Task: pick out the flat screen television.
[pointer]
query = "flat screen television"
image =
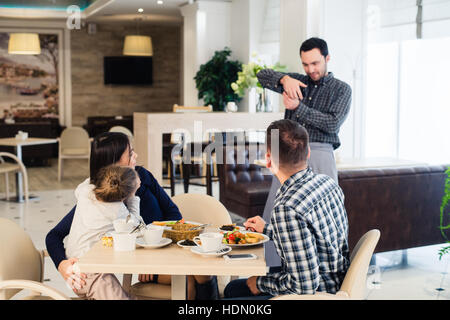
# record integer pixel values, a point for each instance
(128, 70)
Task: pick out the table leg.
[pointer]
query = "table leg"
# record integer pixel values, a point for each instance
(19, 181)
(208, 179)
(178, 287)
(126, 282)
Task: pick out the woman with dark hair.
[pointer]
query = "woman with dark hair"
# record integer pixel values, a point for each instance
(155, 205)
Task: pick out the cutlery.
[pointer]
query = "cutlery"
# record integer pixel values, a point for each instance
(199, 226)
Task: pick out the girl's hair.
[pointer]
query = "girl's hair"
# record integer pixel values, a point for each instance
(107, 148)
(114, 183)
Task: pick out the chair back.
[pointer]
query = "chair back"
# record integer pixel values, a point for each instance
(202, 208)
(19, 259)
(75, 140)
(121, 129)
(354, 284)
(177, 108)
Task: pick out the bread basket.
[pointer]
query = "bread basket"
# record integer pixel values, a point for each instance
(182, 232)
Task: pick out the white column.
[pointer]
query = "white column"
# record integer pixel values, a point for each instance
(300, 20)
(207, 28)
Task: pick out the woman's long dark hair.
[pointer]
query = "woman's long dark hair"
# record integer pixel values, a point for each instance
(107, 148)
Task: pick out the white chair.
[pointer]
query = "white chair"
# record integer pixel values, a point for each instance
(22, 266)
(7, 167)
(193, 207)
(122, 130)
(354, 284)
(74, 143)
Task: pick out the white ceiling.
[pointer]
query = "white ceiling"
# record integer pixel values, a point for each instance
(119, 7)
(125, 11)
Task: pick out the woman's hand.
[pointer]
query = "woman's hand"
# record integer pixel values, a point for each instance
(72, 277)
(145, 278)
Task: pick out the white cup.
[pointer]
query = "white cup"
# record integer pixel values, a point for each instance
(120, 225)
(211, 241)
(124, 241)
(153, 234)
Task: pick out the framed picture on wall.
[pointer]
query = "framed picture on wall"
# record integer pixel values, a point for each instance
(30, 84)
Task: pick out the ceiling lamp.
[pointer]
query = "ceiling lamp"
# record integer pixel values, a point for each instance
(136, 45)
(24, 43)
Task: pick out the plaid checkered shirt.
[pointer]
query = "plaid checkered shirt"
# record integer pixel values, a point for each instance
(309, 228)
(324, 107)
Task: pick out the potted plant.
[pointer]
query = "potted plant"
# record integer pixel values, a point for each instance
(445, 202)
(247, 80)
(214, 78)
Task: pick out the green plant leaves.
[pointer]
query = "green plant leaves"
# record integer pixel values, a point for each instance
(444, 206)
(214, 78)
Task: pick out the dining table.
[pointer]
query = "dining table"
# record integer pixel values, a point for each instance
(171, 260)
(18, 144)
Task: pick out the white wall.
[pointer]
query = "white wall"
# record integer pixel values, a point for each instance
(344, 29)
(207, 28)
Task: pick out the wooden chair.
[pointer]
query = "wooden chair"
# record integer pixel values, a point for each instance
(74, 143)
(193, 207)
(354, 284)
(189, 153)
(177, 108)
(22, 266)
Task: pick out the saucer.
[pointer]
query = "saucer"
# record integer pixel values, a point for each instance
(224, 250)
(164, 242)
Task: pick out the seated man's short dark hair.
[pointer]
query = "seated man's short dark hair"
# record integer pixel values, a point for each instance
(293, 144)
(315, 43)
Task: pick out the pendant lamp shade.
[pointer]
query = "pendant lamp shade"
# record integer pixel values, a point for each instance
(24, 43)
(138, 46)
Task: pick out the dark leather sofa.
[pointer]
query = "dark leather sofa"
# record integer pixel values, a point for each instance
(402, 202)
(243, 187)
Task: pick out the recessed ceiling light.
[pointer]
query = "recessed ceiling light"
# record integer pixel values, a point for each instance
(159, 2)
(140, 10)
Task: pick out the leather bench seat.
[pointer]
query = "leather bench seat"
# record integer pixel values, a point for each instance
(243, 186)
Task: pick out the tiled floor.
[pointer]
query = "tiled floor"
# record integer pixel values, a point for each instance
(424, 276)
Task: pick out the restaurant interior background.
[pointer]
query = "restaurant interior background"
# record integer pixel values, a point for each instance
(393, 53)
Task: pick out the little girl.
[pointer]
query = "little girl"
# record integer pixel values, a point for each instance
(110, 197)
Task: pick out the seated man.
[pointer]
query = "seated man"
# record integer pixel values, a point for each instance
(309, 224)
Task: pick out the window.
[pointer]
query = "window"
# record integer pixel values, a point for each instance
(408, 93)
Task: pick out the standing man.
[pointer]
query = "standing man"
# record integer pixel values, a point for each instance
(320, 103)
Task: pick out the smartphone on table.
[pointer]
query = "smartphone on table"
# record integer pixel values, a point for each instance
(246, 256)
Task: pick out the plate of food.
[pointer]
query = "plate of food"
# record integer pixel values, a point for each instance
(186, 244)
(170, 223)
(180, 230)
(238, 238)
(231, 227)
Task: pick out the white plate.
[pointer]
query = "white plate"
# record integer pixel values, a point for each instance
(185, 247)
(266, 238)
(198, 250)
(239, 228)
(164, 242)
